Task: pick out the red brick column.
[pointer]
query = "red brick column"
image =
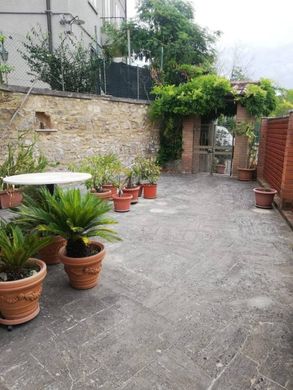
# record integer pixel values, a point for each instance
(262, 147)
(240, 153)
(241, 141)
(196, 140)
(187, 143)
(286, 193)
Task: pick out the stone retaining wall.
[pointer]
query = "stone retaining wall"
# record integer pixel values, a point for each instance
(70, 126)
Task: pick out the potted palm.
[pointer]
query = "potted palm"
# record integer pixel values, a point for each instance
(151, 174)
(29, 217)
(131, 187)
(77, 218)
(21, 276)
(122, 199)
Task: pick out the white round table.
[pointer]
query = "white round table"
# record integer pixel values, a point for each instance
(47, 178)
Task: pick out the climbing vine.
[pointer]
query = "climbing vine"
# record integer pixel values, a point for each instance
(207, 96)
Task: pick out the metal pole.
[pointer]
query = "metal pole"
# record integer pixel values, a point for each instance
(49, 24)
(128, 45)
(137, 81)
(162, 58)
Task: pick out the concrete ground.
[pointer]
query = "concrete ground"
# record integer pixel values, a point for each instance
(198, 295)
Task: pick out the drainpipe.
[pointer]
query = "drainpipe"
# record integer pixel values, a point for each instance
(49, 24)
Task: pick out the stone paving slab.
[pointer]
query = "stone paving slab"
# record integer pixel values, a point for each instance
(197, 296)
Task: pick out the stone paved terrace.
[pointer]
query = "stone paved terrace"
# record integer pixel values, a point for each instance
(196, 297)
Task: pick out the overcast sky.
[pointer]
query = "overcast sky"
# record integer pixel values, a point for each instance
(258, 26)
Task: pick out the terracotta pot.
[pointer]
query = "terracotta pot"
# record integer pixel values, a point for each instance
(83, 272)
(245, 174)
(220, 168)
(10, 198)
(150, 191)
(106, 194)
(110, 187)
(19, 299)
(50, 253)
(134, 192)
(122, 203)
(264, 197)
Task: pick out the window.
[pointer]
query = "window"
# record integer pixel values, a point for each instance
(107, 8)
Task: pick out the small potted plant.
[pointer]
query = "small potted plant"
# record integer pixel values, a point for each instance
(264, 197)
(220, 165)
(21, 276)
(247, 129)
(20, 159)
(122, 200)
(77, 218)
(131, 187)
(112, 167)
(151, 174)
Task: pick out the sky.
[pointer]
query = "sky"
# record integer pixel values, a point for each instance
(261, 30)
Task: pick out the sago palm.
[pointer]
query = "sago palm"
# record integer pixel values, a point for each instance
(72, 215)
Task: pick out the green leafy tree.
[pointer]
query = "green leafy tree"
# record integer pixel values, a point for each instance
(284, 102)
(165, 35)
(70, 67)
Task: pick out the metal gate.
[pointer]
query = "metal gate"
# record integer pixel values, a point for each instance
(212, 146)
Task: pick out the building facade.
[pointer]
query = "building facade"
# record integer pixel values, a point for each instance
(82, 18)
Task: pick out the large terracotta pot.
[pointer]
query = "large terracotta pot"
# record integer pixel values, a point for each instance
(106, 194)
(245, 174)
(50, 253)
(110, 187)
(83, 272)
(150, 191)
(122, 203)
(264, 197)
(19, 299)
(134, 192)
(220, 168)
(10, 198)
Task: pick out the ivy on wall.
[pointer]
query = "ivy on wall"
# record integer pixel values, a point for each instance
(207, 96)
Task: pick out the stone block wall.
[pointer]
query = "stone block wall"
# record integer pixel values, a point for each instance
(71, 126)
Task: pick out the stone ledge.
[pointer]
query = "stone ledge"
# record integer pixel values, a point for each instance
(75, 95)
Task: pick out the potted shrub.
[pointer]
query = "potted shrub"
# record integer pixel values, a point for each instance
(151, 174)
(121, 199)
(95, 166)
(247, 129)
(31, 214)
(220, 165)
(20, 159)
(131, 187)
(21, 276)
(264, 197)
(77, 218)
(112, 167)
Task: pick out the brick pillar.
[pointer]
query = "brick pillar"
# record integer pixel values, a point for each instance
(240, 153)
(196, 140)
(262, 148)
(187, 143)
(286, 193)
(241, 141)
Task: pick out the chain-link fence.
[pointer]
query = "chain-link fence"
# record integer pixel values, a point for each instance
(109, 78)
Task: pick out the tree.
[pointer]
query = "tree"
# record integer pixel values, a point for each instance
(165, 35)
(284, 102)
(70, 67)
